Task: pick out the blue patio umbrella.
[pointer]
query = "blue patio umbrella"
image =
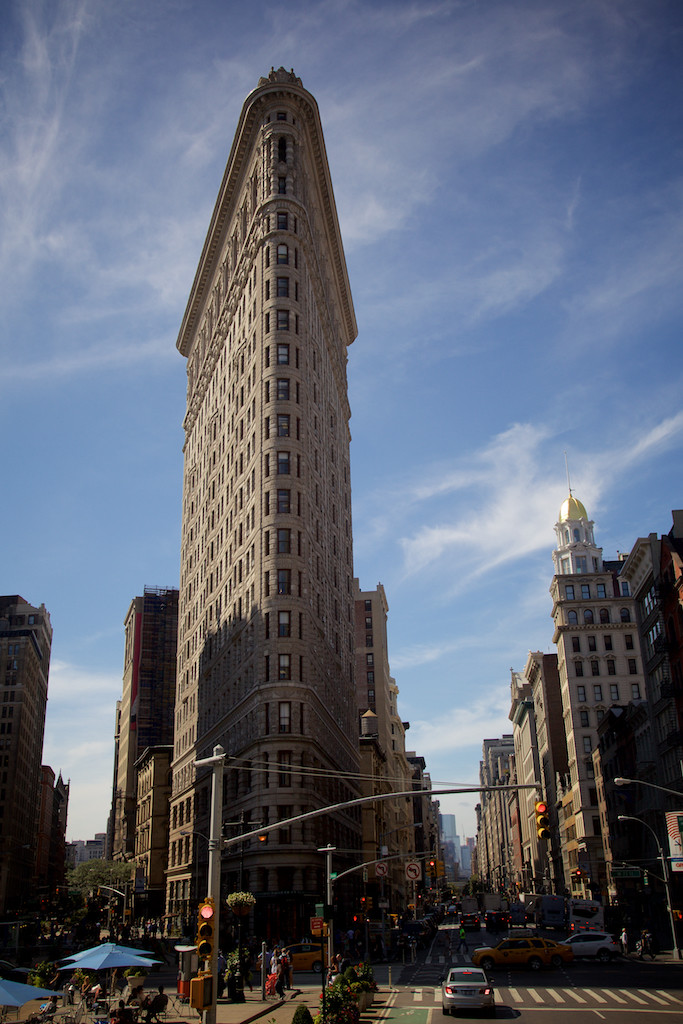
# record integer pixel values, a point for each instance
(99, 959)
(15, 993)
(107, 947)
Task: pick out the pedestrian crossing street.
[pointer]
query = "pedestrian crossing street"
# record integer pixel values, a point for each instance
(627, 998)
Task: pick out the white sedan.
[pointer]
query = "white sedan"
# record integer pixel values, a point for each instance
(593, 944)
(467, 988)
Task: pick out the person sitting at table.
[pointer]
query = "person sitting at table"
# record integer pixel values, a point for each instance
(157, 1005)
(122, 1014)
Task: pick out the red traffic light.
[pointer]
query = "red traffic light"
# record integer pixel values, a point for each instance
(541, 807)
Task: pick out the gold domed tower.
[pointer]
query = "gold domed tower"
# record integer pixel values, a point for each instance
(576, 551)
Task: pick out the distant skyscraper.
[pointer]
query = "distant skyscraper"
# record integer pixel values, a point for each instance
(266, 635)
(145, 711)
(25, 644)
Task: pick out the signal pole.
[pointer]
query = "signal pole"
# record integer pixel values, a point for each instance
(216, 763)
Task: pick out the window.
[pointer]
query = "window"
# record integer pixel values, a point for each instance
(578, 668)
(368, 621)
(283, 463)
(614, 691)
(581, 694)
(635, 691)
(283, 425)
(282, 186)
(595, 668)
(284, 581)
(587, 744)
(282, 254)
(587, 616)
(284, 670)
(577, 535)
(625, 615)
(591, 643)
(368, 639)
(611, 667)
(608, 642)
(564, 566)
(283, 355)
(283, 319)
(284, 623)
(371, 678)
(371, 696)
(285, 716)
(628, 641)
(285, 777)
(632, 667)
(585, 591)
(569, 592)
(581, 564)
(283, 389)
(284, 542)
(604, 615)
(601, 590)
(282, 288)
(585, 721)
(282, 222)
(572, 618)
(625, 592)
(284, 502)
(369, 659)
(576, 644)
(597, 692)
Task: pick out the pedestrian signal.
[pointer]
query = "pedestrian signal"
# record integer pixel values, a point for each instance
(206, 921)
(542, 819)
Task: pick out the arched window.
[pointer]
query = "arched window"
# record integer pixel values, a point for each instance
(282, 149)
(604, 615)
(577, 535)
(625, 615)
(588, 615)
(566, 537)
(572, 618)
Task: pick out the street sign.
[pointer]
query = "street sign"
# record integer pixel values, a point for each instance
(316, 924)
(381, 869)
(413, 871)
(676, 863)
(625, 872)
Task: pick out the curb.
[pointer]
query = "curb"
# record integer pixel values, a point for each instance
(269, 1007)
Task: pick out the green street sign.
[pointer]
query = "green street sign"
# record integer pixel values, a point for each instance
(625, 872)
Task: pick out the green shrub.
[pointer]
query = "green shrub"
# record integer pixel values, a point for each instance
(302, 1015)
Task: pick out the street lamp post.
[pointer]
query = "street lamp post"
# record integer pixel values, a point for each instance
(216, 763)
(665, 876)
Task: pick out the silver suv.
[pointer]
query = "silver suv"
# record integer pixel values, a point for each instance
(593, 944)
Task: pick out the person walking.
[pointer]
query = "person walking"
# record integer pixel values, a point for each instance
(462, 934)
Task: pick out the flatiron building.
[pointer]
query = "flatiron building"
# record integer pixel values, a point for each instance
(266, 629)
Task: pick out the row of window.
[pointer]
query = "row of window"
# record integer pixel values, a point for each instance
(570, 591)
(611, 667)
(598, 692)
(607, 641)
(588, 616)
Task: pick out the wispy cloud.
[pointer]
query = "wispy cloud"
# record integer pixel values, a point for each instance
(464, 725)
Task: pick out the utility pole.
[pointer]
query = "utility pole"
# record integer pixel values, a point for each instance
(216, 763)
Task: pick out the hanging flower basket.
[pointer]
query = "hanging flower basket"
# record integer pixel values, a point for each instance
(241, 902)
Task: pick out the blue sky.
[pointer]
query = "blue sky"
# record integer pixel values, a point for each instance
(509, 182)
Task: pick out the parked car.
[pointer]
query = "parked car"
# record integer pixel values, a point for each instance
(8, 972)
(532, 952)
(304, 956)
(593, 944)
(467, 988)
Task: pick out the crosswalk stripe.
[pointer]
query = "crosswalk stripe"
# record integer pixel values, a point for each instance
(516, 997)
(557, 996)
(633, 996)
(575, 995)
(536, 996)
(437, 995)
(651, 995)
(667, 995)
(595, 995)
(614, 996)
(417, 995)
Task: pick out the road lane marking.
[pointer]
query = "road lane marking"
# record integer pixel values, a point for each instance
(574, 995)
(536, 996)
(516, 997)
(595, 995)
(633, 996)
(417, 995)
(651, 995)
(667, 995)
(557, 996)
(612, 994)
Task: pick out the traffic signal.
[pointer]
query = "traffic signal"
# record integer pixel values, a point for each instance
(542, 819)
(206, 921)
(578, 874)
(646, 879)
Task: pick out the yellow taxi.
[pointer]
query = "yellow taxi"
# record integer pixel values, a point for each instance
(530, 951)
(306, 956)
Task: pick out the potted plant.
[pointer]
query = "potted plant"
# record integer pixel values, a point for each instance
(241, 902)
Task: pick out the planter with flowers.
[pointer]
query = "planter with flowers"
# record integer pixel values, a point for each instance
(241, 902)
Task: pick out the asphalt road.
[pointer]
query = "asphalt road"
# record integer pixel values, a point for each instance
(588, 990)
